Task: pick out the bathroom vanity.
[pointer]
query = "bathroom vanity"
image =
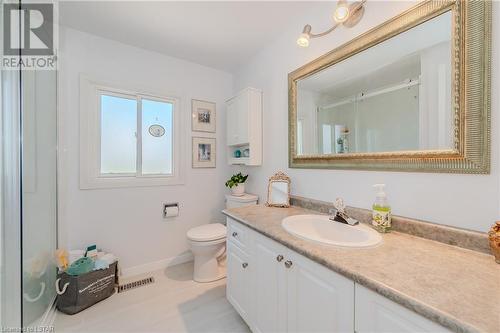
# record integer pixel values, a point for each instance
(280, 283)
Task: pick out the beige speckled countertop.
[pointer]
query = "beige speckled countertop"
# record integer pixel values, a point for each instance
(456, 287)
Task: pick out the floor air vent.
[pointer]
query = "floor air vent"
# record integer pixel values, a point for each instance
(135, 284)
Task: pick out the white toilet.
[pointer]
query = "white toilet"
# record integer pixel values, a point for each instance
(208, 243)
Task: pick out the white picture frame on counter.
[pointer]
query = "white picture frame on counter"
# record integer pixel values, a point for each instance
(204, 152)
(203, 116)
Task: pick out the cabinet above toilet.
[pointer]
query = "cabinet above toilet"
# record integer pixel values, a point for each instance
(244, 127)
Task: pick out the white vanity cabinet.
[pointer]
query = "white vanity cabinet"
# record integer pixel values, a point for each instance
(377, 314)
(240, 270)
(244, 127)
(318, 299)
(270, 287)
(276, 289)
(289, 293)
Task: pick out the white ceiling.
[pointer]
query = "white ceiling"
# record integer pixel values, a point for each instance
(222, 35)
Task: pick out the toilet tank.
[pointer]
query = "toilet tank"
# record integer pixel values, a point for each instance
(246, 199)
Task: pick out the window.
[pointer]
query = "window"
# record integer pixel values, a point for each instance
(128, 138)
(118, 135)
(123, 121)
(156, 137)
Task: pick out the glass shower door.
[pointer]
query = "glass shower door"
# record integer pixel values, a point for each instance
(39, 193)
(10, 276)
(28, 194)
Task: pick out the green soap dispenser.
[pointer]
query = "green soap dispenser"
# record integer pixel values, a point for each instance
(381, 216)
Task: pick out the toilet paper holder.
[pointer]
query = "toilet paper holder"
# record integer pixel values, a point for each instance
(170, 210)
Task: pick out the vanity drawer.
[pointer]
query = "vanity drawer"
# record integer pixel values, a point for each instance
(237, 234)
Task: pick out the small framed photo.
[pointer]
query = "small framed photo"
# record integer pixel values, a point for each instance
(204, 152)
(203, 116)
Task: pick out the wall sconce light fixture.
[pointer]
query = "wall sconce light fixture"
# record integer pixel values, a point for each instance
(345, 14)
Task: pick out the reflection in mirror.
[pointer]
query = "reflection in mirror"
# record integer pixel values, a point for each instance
(278, 193)
(394, 96)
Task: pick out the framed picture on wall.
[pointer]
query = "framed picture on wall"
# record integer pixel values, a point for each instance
(204, 152)
(203, 116)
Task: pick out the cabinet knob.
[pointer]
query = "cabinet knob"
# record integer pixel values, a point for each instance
(235, 234)
(279, 258)
(244, 265)
(288, 264)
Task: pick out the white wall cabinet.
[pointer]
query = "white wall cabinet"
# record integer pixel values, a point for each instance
(283, 291)
(244, 127)
(237, 129)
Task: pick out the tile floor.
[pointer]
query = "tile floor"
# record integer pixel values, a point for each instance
(174, 303)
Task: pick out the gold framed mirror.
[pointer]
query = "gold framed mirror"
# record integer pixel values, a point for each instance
(278, 190)
(412, 94)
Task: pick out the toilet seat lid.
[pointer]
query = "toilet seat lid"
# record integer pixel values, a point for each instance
(207, 232)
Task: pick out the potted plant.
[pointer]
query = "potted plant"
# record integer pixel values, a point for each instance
(237, 184)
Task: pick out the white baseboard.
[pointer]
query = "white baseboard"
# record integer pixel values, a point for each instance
(156, 265)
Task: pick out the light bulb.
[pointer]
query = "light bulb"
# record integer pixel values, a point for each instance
(303, 40)
(341, 12)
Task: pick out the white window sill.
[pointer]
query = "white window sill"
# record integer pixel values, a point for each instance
(128, 181)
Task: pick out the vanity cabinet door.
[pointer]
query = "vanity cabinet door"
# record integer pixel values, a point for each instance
(270, 286)
(319, 300)
(375, 313)
(239, 280)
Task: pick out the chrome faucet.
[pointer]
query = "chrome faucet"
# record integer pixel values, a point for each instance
(339, 215)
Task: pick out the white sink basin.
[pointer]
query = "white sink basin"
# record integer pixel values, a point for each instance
(319, 228)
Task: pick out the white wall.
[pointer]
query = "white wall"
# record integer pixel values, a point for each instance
(128, 221)
(467, 201)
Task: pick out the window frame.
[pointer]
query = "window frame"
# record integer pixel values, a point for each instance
(90, 138)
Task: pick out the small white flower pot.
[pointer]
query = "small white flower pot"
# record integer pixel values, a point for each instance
(238, 190)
